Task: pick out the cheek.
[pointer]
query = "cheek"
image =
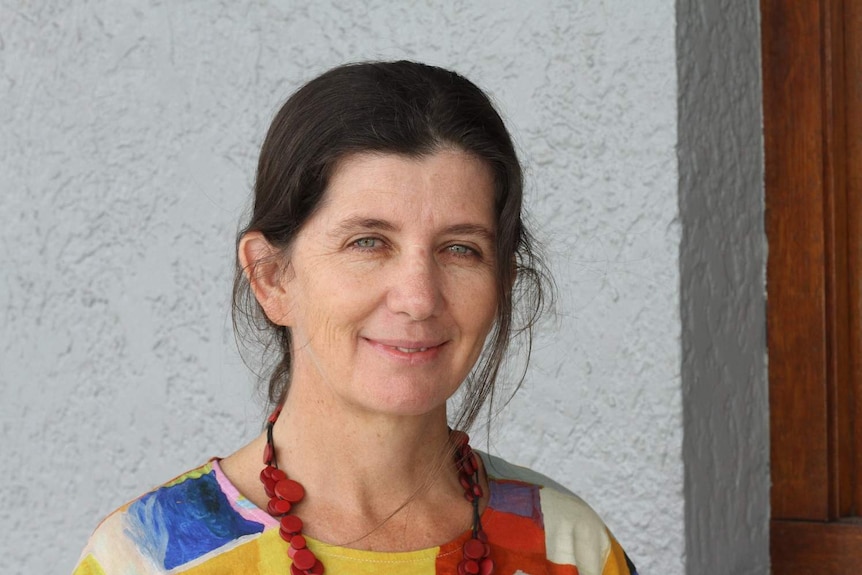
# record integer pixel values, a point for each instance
(329, 311)
(478, 308)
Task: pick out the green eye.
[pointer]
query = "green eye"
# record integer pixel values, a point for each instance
(366, 243)
(460, 250)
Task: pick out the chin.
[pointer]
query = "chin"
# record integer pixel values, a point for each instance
(406, 405)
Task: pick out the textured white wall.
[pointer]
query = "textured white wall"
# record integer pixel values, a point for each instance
(129, 136)
(722, 263)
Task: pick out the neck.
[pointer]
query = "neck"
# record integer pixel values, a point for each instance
(284, 493)
(367, 463)
(371, 482)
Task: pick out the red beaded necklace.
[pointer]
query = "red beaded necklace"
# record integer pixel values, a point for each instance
(285, 493)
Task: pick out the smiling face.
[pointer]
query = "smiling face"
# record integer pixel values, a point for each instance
(390, 287)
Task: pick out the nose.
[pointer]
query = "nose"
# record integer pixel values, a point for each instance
(415, 289)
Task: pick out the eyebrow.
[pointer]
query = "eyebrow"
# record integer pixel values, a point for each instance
(357, 223)
(472, 230)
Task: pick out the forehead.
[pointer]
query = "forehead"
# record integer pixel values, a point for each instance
(445, 185)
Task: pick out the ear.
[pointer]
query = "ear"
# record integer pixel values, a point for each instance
(265, 269)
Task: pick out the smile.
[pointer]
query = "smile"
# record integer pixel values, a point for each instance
(414, 352)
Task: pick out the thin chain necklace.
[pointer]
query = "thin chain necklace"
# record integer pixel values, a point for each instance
(284, 494)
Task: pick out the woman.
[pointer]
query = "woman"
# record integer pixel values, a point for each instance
(384, 258)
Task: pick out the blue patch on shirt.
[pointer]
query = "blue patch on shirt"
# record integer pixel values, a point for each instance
(182, 522)
(517, 498)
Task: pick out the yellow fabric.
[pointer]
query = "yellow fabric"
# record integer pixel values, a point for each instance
(358, 562)
(257, 555)
(616, 560)
(88, 566)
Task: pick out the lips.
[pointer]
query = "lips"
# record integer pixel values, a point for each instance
(407, 349)
(408, 344)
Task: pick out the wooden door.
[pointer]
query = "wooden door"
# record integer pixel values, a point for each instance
(812, 92)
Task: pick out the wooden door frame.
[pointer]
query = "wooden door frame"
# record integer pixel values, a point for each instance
(811, 207)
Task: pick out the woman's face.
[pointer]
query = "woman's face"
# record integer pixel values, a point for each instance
(390, 287)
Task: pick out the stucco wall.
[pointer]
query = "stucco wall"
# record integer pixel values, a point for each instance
(722, 263)
(129, 136)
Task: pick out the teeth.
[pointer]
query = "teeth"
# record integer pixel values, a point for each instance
(411, 349)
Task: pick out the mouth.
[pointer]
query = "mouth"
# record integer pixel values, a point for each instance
(410, 350)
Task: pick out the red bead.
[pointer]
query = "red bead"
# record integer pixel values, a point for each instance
(305, 559)
(267, 454)
(474, 549)
(278, 506)
(468, 467)
(459, 438)
(290, 490)
(294, 570)
(277, 474)
(477, 490)
(286, 536)
(269, 487)
(471, 567)
(275, 414)
(468, 495)
(465, 482)
(298, 542)
(486, 566)
(317, 569)
(482, 536)
(291, 524)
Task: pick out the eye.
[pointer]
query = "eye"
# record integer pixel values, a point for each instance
(367, 243)
(461, 250)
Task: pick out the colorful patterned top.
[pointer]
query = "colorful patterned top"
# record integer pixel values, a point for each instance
(200, 524)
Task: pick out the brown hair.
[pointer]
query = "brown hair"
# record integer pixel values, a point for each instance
(402, 108)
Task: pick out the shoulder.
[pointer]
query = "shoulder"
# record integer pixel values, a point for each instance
(171, 525)
(574, 533)
(561, 509)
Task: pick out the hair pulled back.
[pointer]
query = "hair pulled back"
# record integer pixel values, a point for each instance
(391, 107)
